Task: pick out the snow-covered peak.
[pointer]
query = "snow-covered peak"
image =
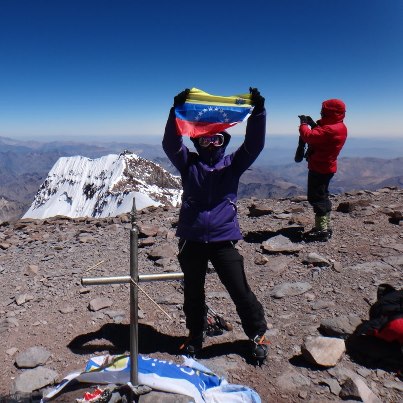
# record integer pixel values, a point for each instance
(103, 187)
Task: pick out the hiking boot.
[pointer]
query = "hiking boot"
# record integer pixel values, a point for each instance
(192, 345)
(320, 232)
(329, 224)
(315, 235)
(260, 348)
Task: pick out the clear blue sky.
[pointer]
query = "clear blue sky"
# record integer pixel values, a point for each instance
(97, 67)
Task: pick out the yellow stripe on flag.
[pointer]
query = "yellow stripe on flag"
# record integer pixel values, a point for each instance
(197, 96)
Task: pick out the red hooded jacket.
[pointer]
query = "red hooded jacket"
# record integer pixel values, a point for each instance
(326, 140)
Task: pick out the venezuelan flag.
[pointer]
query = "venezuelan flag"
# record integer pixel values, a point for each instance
(203, 114)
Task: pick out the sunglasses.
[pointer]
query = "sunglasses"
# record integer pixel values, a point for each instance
(216, 140)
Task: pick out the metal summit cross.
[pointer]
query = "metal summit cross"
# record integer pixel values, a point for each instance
(133, 279)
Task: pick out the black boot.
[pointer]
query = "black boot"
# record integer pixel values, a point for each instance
(260, 348)
(329, 225)
(320, 232)
(315, 235)
(192, 345)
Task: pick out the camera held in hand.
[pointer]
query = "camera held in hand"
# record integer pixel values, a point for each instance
(303, 119)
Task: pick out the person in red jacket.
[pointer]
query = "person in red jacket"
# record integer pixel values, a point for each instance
(325, 139)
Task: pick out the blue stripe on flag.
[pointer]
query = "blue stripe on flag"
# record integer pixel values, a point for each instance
(211, 113)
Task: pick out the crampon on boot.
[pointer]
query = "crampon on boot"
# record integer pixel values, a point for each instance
(192, 345)
(260, 349)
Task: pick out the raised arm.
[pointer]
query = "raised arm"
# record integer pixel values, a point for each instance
(255, 134)
(172, 143)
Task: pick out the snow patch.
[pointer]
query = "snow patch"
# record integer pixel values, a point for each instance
(103, 187)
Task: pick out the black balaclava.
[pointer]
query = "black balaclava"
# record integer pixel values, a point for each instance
(211, 155)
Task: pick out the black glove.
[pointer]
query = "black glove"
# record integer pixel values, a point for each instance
(303, 119)
(257, 99)
(310, 122)
(180, 99)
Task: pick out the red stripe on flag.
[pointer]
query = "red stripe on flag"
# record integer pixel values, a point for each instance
(198, 129)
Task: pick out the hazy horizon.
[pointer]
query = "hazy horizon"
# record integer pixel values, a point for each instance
(277, 147)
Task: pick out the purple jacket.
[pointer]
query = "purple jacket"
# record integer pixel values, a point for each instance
(210, 182)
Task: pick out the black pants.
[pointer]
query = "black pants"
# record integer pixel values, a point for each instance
(228, 263)
(318, 192)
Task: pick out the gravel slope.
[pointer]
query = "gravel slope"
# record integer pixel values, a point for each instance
(44, 304)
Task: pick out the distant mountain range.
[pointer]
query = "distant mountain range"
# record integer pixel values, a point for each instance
(25, 165)
(353, 174)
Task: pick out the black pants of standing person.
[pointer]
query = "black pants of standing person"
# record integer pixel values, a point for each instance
(228, 263)
(318, 192)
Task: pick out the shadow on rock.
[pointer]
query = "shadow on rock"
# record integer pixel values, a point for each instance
(239, 347)
(116, 339)
(301, 362)
(34, 397)
(374, 353)
(294, 234)
(258, 236)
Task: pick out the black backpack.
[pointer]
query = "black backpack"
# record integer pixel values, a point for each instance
(389, 306)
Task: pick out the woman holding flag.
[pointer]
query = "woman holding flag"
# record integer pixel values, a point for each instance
(208, 227)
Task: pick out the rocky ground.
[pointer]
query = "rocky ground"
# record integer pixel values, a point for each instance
(308, 290)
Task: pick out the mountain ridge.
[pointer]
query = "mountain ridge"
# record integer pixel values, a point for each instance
(24, 165)
(83, 187)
